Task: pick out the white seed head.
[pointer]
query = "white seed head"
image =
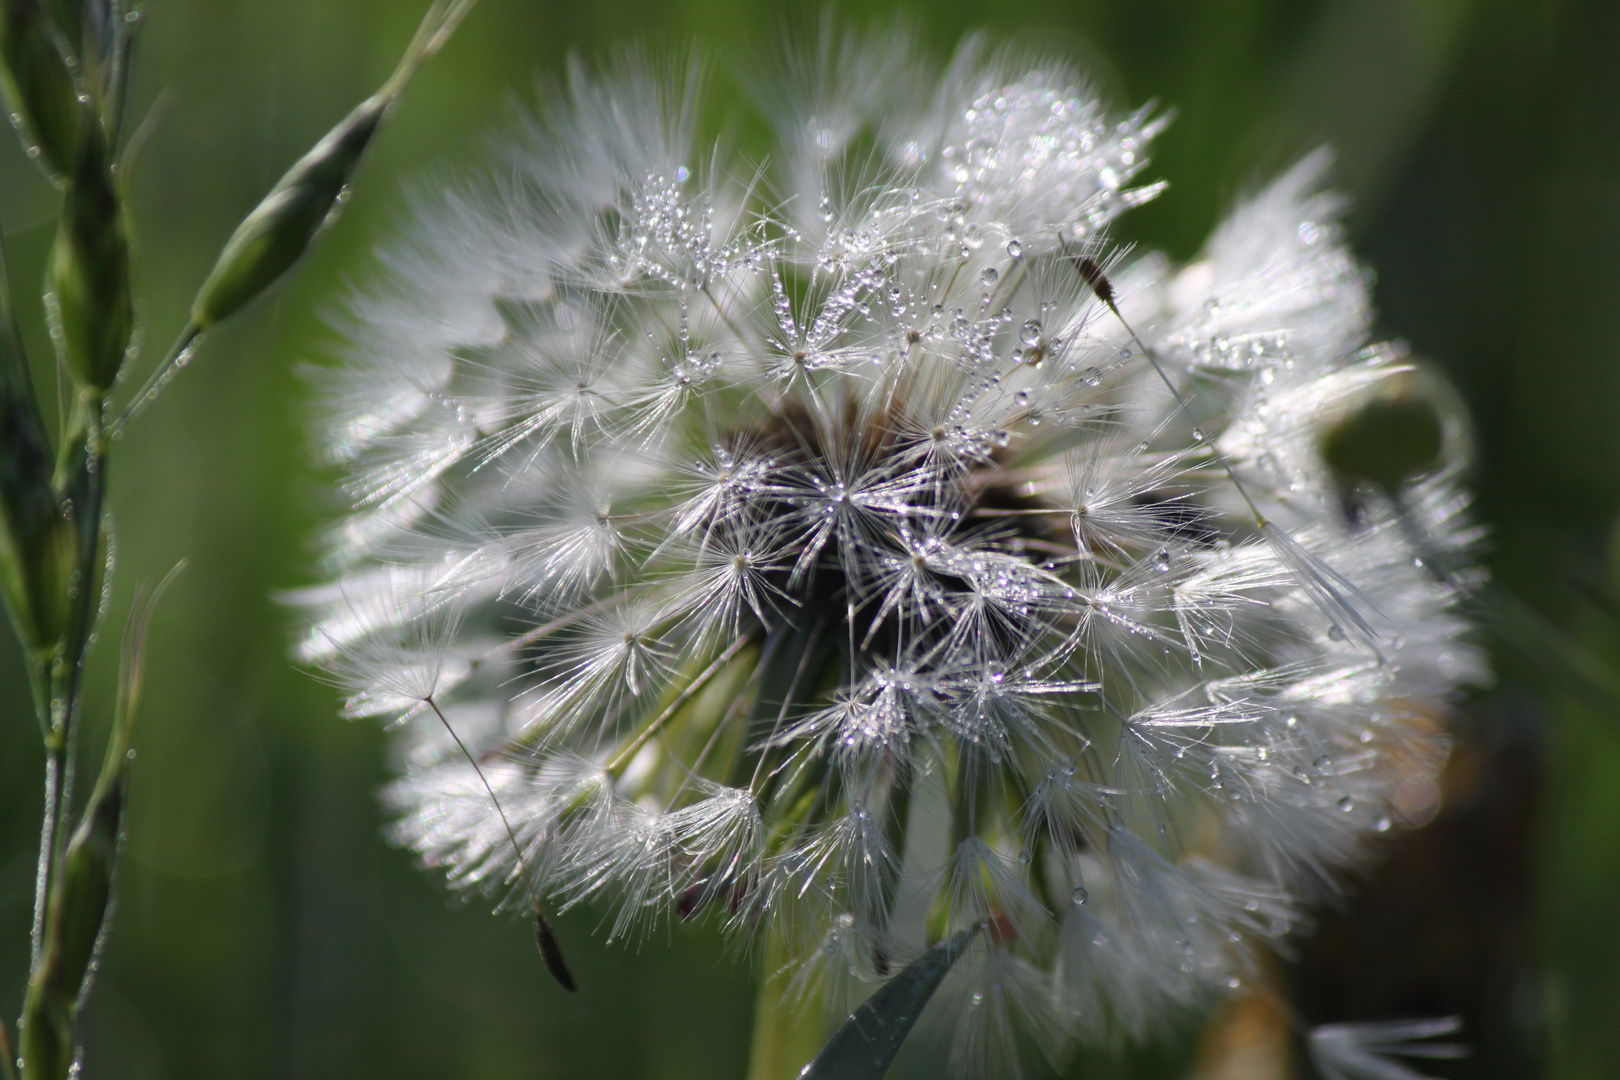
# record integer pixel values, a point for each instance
(842, 563)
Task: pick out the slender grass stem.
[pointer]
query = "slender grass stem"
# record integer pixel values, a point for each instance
(179, 355)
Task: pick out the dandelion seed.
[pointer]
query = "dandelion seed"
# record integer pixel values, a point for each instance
(742, 536)
(1367, 1051)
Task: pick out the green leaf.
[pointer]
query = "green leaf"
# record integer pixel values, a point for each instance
(865, 1046)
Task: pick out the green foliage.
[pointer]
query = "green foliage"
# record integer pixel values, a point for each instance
(88, 278)
(39, 88)
(306, 199)
(35, 546)
(54, 541)
(280, 229)
(865, 1045)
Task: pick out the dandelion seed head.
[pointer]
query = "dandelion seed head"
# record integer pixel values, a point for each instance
(867, 549)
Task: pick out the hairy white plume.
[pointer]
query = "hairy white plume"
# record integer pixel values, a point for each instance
(823, 551)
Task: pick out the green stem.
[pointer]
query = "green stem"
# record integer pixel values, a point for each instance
(788, 1027)
(80, 483)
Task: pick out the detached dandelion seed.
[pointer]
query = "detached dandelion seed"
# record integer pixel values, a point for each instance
(744, 528)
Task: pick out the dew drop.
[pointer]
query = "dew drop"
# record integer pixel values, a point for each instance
(1346, 804)
(989, 275)
(1383, 823)
(1026, 856)
(1079, 896)
(824, 209)
(1022, 398)
(1031, 333)
(1015, 249)
(1161, 560)
(1336, 632)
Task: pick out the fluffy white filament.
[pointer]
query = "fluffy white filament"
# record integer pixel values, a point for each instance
(814, 550)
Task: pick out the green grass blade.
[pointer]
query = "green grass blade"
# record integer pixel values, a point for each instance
(865, 1046)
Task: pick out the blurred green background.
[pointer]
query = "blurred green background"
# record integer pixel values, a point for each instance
(266, 930)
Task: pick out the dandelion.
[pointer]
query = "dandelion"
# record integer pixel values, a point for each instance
(863, 549)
